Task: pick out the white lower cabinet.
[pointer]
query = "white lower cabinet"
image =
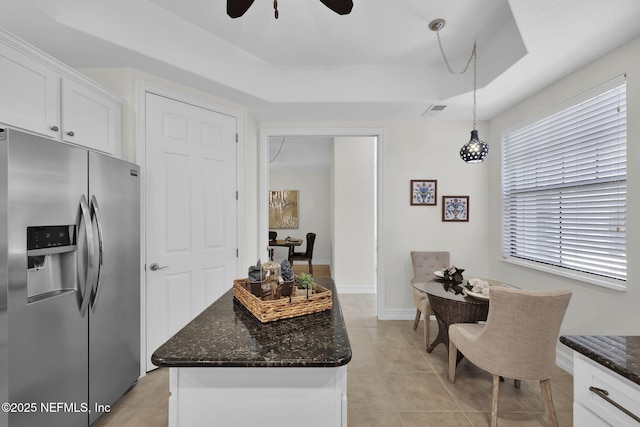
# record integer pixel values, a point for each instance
(592, 381)
(253, 396)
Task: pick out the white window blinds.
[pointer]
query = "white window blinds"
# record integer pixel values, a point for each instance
(564, 186)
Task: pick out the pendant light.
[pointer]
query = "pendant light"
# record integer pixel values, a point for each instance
(474, 151)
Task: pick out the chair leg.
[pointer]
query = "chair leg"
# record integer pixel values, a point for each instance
(426, 331)
(310, 268)
(545, 389)
(417, 319)
(494, 400)
(453, 361)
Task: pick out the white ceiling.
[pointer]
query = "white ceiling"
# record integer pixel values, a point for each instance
(381, 62)
(300, 152)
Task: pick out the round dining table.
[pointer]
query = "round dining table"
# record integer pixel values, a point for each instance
(452, 304)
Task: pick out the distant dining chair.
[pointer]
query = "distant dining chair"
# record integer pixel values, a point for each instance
(424, 264)
(518, 340)
(307, 255)
(272, 237)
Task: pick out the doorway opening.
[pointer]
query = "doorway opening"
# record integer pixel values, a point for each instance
(336, 173)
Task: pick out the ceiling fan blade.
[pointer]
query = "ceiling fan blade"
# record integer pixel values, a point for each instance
(237, 8)
(341, 7)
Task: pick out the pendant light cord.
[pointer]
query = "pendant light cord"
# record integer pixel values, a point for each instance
(474, 57)
(279, 150)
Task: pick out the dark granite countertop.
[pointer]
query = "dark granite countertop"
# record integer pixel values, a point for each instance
(226, 334)
(619, 353)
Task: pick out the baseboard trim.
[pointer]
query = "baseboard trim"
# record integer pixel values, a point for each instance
(358, 290)
(564, 361)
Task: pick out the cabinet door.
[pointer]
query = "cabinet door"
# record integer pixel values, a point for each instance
(89, 118)
(584, 417)
(30, 93)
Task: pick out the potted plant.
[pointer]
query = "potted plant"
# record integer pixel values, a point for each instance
(305, 284)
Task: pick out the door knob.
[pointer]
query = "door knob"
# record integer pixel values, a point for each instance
(156, 267)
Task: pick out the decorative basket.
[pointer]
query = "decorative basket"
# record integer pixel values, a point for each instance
(284, 308)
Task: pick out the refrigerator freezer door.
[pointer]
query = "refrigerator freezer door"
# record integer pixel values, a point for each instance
(47, 333)
(114, 322)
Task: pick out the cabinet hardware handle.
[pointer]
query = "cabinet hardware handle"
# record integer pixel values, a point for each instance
(55, 128)
(605, 395)
(70, 133)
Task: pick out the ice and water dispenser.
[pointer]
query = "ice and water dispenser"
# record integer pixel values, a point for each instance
(52, 263)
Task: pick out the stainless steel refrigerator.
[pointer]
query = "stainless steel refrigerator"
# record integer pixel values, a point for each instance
(70, 281)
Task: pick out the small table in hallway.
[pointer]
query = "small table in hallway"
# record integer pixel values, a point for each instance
(450, 308)
(283, 243)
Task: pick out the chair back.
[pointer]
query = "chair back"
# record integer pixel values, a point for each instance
(273, 235)
(311, 239)
(426, 262)
(522, 330)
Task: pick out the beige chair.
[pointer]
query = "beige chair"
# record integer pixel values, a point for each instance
(518, 340)
(424, 264)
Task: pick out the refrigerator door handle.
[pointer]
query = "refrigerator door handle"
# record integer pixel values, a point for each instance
(86, 219)
(95, 289)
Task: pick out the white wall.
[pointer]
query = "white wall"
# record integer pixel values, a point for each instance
(314, 209)
(422, 149)
(354, 214)
(428, 149)
(593, 310)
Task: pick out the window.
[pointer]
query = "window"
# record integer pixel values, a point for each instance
(564, 188)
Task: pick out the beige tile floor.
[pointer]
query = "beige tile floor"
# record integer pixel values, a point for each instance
(392, 382)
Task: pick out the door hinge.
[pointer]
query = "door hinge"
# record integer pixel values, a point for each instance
(236, 137)
(236, 195)
(237, 253)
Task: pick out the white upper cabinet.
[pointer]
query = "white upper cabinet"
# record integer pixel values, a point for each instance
(89, 119)
(30, 93)
(41, 95)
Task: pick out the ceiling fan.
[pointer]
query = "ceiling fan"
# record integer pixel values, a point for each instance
(237, 8)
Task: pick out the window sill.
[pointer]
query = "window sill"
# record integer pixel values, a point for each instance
(591, 279)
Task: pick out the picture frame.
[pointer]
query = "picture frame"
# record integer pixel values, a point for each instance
(455, 208)
(283, 209)
(424, 192)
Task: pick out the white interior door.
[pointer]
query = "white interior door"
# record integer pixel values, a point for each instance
(191, 231)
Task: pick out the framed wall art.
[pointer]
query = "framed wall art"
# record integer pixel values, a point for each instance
(455, 208)
(424, 192)
(283, 209)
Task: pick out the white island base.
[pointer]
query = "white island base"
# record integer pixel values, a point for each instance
(258, 396)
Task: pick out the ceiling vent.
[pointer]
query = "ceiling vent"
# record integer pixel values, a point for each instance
(433, 110)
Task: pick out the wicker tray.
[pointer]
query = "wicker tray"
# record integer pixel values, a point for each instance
(283, 308)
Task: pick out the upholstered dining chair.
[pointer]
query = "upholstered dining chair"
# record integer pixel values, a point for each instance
(517, 341)
(307, 255)
(424, 264)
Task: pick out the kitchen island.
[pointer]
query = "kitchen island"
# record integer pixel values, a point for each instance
(606, 372)
(227, 368)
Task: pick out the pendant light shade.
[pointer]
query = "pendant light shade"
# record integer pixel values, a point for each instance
(474, 151)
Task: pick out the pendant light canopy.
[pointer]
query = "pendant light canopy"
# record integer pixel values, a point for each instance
(474, 151)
